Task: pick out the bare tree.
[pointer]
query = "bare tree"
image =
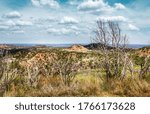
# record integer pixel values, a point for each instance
(67, 68)
(103, 41)
(33, 76)
(146, 68)
(144, 65)
(7, 75)
(112, 44)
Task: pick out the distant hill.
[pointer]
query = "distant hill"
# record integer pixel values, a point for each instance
(94, 46)
(12, 46)
(12, 49)
(6, 46)
(146, 47)
(77, 48)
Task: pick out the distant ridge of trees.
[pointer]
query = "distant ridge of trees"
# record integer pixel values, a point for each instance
(96, 46)
(146, 47)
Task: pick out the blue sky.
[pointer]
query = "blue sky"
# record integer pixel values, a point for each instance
(71, 21)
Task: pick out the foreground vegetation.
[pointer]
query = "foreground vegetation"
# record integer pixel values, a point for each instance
(56, 72)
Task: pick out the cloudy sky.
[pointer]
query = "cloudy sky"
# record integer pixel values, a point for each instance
(71, 21)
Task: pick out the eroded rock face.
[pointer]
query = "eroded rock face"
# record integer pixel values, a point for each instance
(39, 58)
(144, 52)
(77, 48)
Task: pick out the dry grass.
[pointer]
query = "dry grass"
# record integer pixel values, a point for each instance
(82, 86)
(130, 87)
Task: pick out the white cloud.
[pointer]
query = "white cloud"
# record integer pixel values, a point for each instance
(133, 27)
(23, 23)
(99, 6)
(69, 20)
(113, 18)
(19, 32)
(36, 2)
(10, 23)
(74, 27)
(119, 6)
(52, 30)
(13, 14)
(95, 6)
(91, 5)
(51, 19)
(73, 2)
(3, 28)
(62, 31)
(17, 23)
(50, 3)
(59, 31)
(44, 20)
(14, 26)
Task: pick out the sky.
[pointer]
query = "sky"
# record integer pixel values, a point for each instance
(71, 21)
